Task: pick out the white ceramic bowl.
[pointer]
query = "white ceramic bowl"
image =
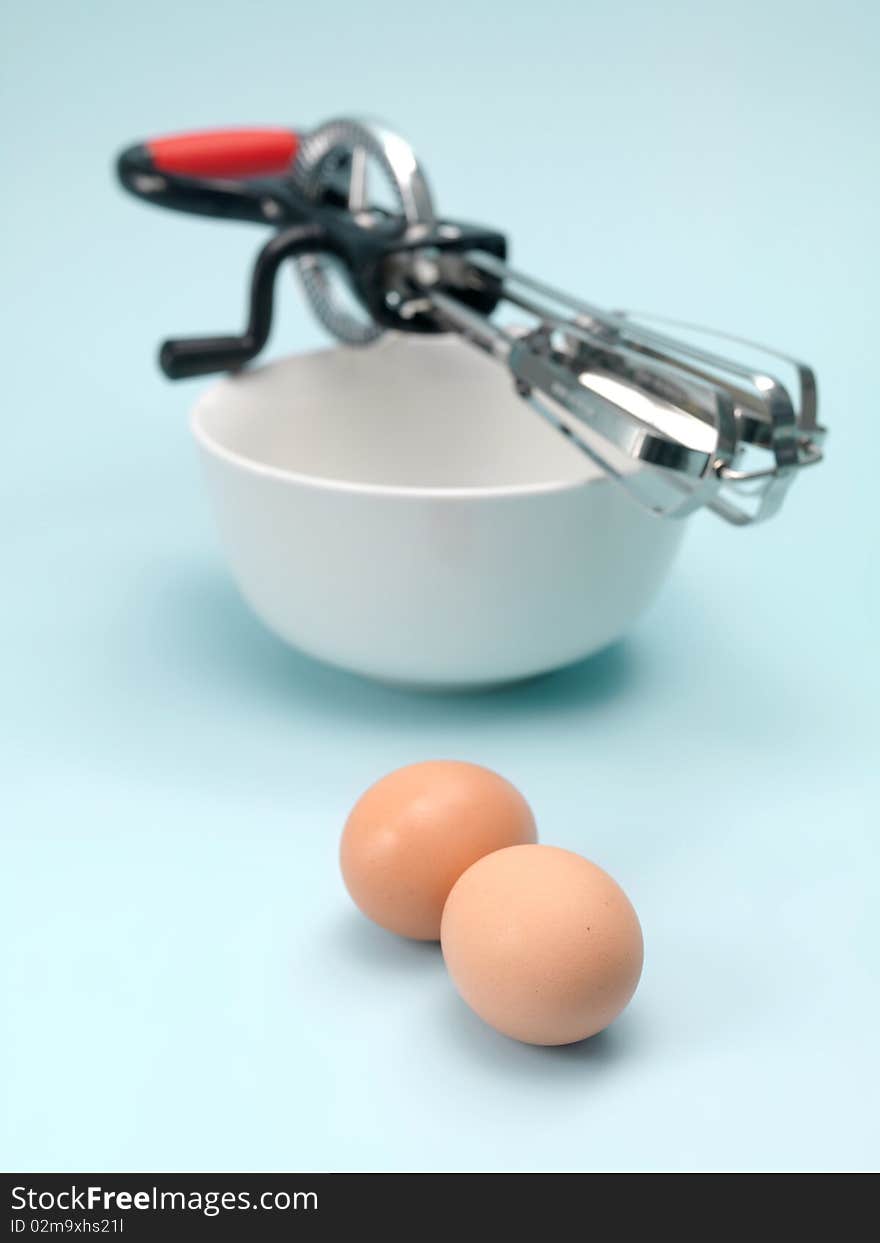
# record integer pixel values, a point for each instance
(398, 511)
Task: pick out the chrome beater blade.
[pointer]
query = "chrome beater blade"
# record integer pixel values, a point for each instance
(677, 425)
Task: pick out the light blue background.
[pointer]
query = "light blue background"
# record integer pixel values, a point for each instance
(185, 984)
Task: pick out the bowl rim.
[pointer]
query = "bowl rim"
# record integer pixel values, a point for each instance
(323, 483)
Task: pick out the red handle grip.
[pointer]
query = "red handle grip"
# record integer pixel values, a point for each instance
(228, 153)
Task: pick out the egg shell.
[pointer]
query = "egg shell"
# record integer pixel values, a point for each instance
(412, 834)
(542, 944)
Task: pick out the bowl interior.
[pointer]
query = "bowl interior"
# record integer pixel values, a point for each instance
(411, 412)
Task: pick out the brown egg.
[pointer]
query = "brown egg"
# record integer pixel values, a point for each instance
(410, 837)
(542, 944)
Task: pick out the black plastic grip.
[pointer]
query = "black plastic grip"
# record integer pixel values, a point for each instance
(243, 199)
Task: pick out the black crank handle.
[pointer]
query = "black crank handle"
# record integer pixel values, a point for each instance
(232, 174)
(183, 357)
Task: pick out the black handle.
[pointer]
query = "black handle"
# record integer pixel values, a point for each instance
(232, 174)
(183, 357)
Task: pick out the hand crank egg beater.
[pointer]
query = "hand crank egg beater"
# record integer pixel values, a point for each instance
(677, 425)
